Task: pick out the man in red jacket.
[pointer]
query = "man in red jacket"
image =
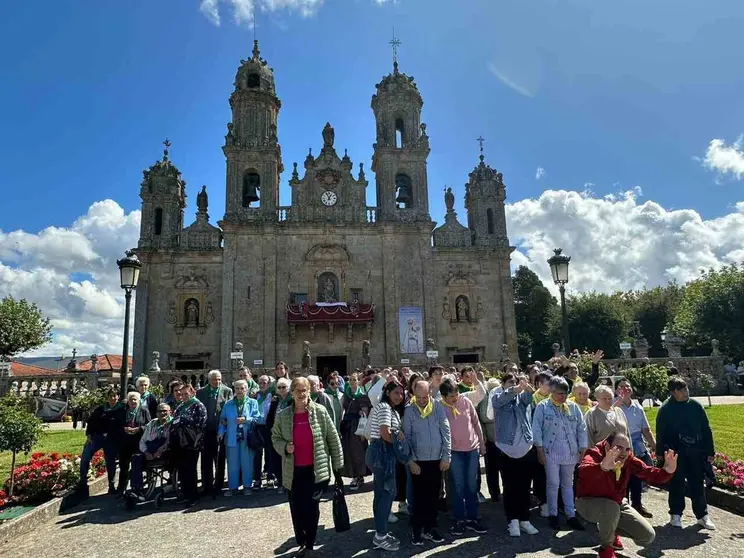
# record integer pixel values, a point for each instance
(603, 483)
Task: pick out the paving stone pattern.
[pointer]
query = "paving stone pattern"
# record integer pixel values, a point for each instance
(259, 526)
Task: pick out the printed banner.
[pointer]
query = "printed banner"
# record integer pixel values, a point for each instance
(411, 324)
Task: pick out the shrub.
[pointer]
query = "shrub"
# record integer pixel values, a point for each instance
(648, 380)
(19, 431)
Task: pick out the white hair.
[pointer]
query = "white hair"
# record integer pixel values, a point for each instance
(264, 376)
(603, 389)
(492, 383)
(312, 378)
(213, 374)
(241, 383)
(135, 393)
(142, 380)
(283, 382)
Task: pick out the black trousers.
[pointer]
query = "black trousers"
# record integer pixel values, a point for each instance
(539, 480)
(186, 460)
(690, 468)
(126, 451)
(493, 469)
(425, 496)
(213, 458)
(517, 474)
(304, 505)
(264, 455)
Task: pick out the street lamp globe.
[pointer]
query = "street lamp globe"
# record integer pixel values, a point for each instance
(129, 270)
(559, 266)
(663, 335)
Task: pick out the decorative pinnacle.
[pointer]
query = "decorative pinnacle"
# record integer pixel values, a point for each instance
(167, 145)
(395, 43)
(480, 141)
(256, 52)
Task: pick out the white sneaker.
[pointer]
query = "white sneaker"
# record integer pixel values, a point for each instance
(392, 518)
(514, 528)
(706, 523)
(403, 508)
(676, 521)
(528, 528)
(481, 498)
(544, 511)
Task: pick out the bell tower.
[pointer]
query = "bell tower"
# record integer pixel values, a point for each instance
(254, 156)
(401, 149)
(485, 194)
(163, 194)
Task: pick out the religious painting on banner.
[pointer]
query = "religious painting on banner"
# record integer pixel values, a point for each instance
(411, 324)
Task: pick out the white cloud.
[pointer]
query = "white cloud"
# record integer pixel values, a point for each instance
(618, 243)
(45, 268)
(244, 10)
(539, 173)
(726, 159)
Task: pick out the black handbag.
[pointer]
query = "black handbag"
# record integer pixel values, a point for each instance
(255, 438)
(340, 510)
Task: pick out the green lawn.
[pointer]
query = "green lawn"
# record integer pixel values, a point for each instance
(725, 421)
(61, 441)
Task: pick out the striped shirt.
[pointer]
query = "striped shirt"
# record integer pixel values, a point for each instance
(383, 415)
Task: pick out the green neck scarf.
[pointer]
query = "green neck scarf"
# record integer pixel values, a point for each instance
(464, 388)
(357, 393)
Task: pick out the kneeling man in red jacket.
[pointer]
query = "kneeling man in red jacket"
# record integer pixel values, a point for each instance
(603, 483)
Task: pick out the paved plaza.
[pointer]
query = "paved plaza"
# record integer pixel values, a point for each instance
(259, 526)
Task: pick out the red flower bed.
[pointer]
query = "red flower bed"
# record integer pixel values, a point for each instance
(47, 475)
(729, 473)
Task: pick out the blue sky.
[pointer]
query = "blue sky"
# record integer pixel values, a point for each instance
(631, 109)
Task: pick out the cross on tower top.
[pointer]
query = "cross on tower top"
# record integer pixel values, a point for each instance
(395, 43)
(167, 145)
(481, 140)
(74, 353)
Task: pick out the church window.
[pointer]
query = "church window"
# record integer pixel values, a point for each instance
(254, 80)
(158, 221)
(399, 132)
(328, 288)
(489, 218)
(297, 298)
(403, 191)
(251, 188)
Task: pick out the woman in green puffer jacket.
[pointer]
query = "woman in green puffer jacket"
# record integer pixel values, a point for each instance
(307, 441)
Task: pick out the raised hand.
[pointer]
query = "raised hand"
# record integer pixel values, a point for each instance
(670, 461)
(611, 458)
(596, 357)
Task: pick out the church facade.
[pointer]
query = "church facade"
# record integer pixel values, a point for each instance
(328, 275)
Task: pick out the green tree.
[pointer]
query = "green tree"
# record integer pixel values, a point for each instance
(22, 327)
(712, 307)
(534, 308)
(595, 321)
(20, 430)
(654, 309)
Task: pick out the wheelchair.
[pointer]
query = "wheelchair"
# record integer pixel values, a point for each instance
(160, 477)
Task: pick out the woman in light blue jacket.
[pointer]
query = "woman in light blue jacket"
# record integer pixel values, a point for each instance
(560, 437)
(236, 421)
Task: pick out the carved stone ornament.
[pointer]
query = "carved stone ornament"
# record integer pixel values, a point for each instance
(155, 366)
(306, 354)
(328, 177)
(209, 318)
(446, 313)
(193, 279)
(479, 312)
(349, 333)
(172, 313)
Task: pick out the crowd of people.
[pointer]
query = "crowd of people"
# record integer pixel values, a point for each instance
(421, 435)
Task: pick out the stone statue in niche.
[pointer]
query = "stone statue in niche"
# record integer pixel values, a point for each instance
(192, 312)
(462, 309)
(327, 288)
(202, 200)
(449, 199)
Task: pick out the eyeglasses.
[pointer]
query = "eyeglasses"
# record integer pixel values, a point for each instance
(281, 387)
(333, 384)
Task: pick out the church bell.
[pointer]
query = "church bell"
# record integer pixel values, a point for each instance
(404, 194)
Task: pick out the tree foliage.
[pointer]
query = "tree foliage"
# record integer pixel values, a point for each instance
(20, 430)
(595, 321)
(654, 309)
(648, 380)
(534, 308)
(22, 327)
(712, 307)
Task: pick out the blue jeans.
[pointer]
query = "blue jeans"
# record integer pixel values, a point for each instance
(560, 476)
(464, 479)
(380, 459)
(110, 452)
(239, 461)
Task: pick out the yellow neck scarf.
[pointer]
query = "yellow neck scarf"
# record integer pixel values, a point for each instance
(584, 408)
(454, 410)
(563, 407)
(618, 471)
(538, 397)
(426, 411)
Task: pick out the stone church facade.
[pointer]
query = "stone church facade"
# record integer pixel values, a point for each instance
(328, 275)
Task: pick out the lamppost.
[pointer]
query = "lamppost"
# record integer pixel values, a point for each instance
(663, 339)
(129, 271)
(559, 268)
